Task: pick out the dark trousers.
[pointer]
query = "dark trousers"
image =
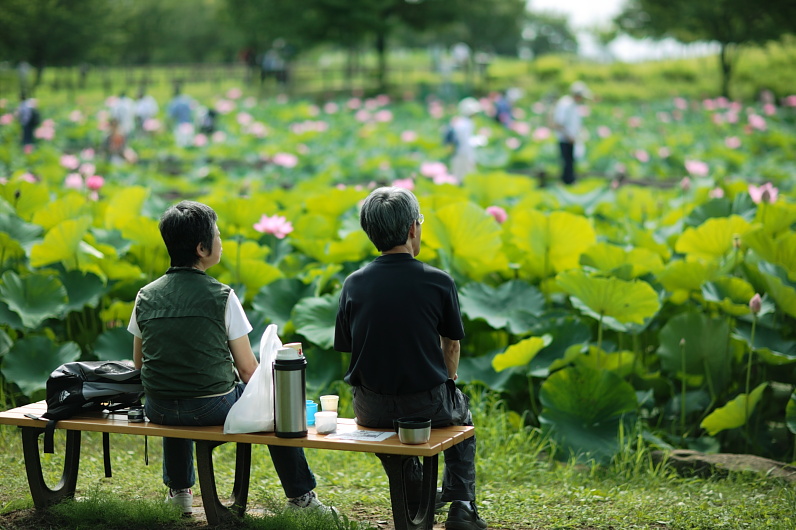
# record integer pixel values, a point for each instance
(568, 161)
(445, 405)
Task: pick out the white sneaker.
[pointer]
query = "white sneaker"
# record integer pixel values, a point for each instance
(309, 501)
(182, 498)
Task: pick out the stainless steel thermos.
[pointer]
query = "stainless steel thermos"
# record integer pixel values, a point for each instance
(290, 411)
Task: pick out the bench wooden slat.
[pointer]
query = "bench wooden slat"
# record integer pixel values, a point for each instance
(441, 438)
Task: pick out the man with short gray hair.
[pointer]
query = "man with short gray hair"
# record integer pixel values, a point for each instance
(400, 320)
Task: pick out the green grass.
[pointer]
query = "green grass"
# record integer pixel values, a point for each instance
(520, 487)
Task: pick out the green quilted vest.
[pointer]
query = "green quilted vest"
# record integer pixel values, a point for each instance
(186, 353)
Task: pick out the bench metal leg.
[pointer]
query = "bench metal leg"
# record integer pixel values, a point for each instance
(42, 495)
(402, 514)
(215, 510)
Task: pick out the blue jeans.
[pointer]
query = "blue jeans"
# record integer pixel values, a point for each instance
(178, 469)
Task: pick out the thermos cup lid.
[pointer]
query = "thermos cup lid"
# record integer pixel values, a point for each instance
(288, 354)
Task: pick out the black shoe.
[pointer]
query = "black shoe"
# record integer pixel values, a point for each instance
(464, 516)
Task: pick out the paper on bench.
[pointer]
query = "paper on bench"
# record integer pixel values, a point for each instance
(364, 436)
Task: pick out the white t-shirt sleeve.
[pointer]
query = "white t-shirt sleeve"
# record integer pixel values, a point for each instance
(234, 317)
(237, 323)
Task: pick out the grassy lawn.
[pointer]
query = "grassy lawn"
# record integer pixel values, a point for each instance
(519, 487)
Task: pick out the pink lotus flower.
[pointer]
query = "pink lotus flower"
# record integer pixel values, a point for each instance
(436, 110)
(709, 104)
(539, 108)
(234, 93)
(73, 181)
(790, 101)
(716, 193)
(44, 133)
(520, 127)
(512, 143)
(685, 184)
(200, 140)
(28, 149)
(244, 118)
(731, 117)
(75, 116)
(95, 182)
(765, 193)
(680, 103)
(664, 152)
(258, 129)
(6, 119)
(225, 106)
(70, 162)
(383, 99)
(219, 137)
(696, 168)
(634, 122)
(276, 225)
(354, 103)
(432, 169)
(757, 122)
(408, 136)
(285, 160)
(541, 134)
(642, 156)
(29, 177)
(362, 115)
(331, 108)
(87, 154)
(87, 169)
(445, 179)
(151, 124)
(603, 131)
(408, 184)
(769, 109)
(498, 213)
(733, 142)
(383, 116)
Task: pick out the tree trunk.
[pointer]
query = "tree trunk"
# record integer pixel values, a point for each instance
(381, 50)
(726, 60)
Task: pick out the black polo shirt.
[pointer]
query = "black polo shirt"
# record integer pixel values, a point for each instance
(392, 313)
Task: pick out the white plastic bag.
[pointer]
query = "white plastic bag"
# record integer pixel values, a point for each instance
(254, 410)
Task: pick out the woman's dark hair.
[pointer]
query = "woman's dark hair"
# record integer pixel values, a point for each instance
(183, 227)
(386, 216)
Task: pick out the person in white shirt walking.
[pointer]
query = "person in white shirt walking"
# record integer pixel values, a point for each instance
(567, 122)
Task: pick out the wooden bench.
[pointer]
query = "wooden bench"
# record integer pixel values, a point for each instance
(207, 438)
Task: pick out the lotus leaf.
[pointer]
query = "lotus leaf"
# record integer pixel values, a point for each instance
(244, 264)
(70, 206)
(125, 206)
(722, 207)
(586, 202)
(713, 239)
(705, 347)
(567, 332)
(607, 258)
(469, 236)
(494, 188)
(35, 297)
(521, 353)
(332, 203)
(9, 317)
(354, 247)
(32, 359)
(779, 287)
(779, 249)
(586, 411)
(734, 414)
(626, 302)
(315, 318)
(82, 289)
(16, 228)
(682, 278)
(790, 413)
(621, 362)
(64, 244)
(501, 305)
(10, 249)
(777, 218)
(549, 243)
(26, 197)
(479, 369)
(275, 302)
(769, 344)
(730, 293)
(636, 204)
(114, 344)
(118, 313)
(5, 343)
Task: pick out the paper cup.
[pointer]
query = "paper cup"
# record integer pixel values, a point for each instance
(325, 422)
(329, 403)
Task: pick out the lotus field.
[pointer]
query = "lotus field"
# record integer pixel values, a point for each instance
(653, 302)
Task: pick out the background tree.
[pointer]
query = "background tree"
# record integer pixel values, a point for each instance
(731, 23)
(51, 32)
(546, 33)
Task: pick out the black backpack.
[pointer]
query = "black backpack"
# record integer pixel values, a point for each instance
(84, 386)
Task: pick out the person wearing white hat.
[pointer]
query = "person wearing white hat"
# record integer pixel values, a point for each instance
(461, 131)
(567, 120)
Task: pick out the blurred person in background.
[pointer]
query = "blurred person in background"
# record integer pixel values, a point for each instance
(567, 122)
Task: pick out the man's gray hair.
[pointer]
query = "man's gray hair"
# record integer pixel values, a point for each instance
(387, 214)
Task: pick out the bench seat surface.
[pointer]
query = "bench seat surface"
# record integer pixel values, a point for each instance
(441, 438)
